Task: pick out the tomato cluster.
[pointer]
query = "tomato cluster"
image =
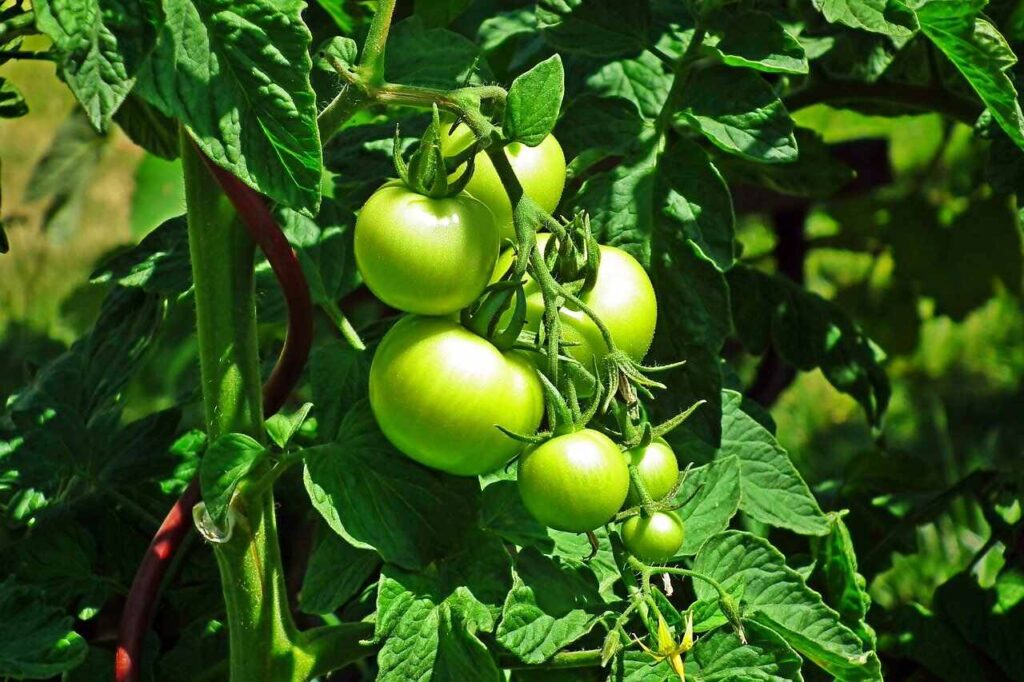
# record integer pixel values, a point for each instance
(439, 390)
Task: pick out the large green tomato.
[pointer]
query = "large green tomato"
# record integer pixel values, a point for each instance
(655, 538)
(658, 467)
(576, 482)
(424, 255)
(623, 297)
(438, 391)
(540, 169)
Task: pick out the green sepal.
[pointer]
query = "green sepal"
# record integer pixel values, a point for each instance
(485, 315)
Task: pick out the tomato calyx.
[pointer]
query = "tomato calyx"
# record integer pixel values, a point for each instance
(426, 172)
(485, 315)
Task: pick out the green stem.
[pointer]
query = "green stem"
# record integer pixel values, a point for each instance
(646, 571)
(566, 659)
(371, 63)
(259, 622)
(350, 100)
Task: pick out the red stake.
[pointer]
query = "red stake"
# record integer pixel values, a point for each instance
(265, 231)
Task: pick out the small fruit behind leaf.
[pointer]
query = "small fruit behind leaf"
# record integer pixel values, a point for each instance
(655, 538)
(576, 482)
(658, 467)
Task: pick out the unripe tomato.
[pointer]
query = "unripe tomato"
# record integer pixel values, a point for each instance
(438, 391)
(424, 255)
(658, 467)
(576, 482)
(623, 297)
(540, 169)
(655, 538)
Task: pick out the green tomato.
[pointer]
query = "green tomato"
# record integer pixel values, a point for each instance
(540, 169)
(424, 255)
(438, 391)
(655, 538)
(658, 467)
(576, 482)
(623, 297)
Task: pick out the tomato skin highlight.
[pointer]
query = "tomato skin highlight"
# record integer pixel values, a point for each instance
(658, 467)
(540, 169)
(576, 482)
(653, 539)
(423, 255)
(437, 391)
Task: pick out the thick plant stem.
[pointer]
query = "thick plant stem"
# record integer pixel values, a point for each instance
(259, 623)
(372, 61)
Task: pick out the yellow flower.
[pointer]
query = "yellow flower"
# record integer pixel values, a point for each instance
(668, 649)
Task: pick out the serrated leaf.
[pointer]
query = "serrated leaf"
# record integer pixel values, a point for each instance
(238, 77)
(712, 495)
(335, 573)
(533, 103)
(12, 104)
(376, 498)
(642, 80)
(764, 657)
(609, 124)
(36, 641)
(980, 53)
(810, 332)
(101, 46)
(160, 263)
(738, 111)
(429, 621)
(551, 605)
(226, 462)
(891, 17)
(775, 596)
(338, 48)
(756, 40)
(599, 28)
(772, 490)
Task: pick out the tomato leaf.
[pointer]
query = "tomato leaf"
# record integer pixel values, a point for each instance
(835, 563)
(36, 641)
(738, 111)
(534, 101)
(891, 17)
(238, 78)
(980, 53)
(282, 427)
(772, 490)
(553, 603)
(226, 462)
(377, 498)
(159, 263)
(432, 57)
(642, 80)
(429, 621)
(335, 573)
(712, 496)
(101, 46)
(756, 40)
(722, 657)
(599, 28)
(775, 596)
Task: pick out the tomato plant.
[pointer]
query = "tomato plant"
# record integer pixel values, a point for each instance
(738, 399)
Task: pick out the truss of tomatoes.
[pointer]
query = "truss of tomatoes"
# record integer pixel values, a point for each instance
(439, 391)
